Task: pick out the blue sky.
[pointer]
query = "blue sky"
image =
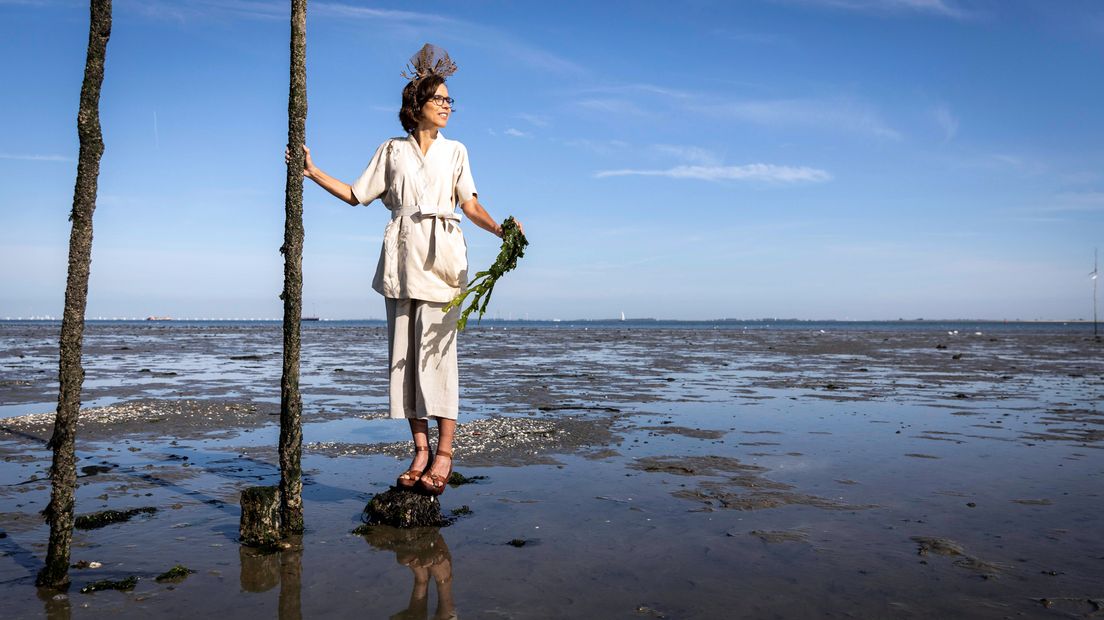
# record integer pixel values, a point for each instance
(848, 159)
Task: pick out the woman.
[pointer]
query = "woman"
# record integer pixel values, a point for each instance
(423, 262)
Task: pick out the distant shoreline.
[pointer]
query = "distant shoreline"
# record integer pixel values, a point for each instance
(964, 325)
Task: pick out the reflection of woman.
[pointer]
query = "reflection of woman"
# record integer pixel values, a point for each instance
(424, 551)
(423, 262)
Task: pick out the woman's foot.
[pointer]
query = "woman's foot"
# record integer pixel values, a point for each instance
(435, 480)
(411, 476)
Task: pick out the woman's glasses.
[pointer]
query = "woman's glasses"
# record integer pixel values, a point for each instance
(440, 101)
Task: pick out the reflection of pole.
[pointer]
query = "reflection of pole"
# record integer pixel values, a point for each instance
(262, 570)
(291, 578)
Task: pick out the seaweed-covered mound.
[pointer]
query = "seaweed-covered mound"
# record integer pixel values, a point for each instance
(404, 508)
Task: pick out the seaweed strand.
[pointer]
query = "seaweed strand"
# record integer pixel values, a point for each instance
(513, 248)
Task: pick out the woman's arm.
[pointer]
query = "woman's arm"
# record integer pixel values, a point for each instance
(341, 190)
(476, 213)
(482, 219)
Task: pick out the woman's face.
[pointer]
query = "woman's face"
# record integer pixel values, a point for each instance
(436, 111)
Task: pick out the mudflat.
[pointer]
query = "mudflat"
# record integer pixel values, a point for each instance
(615, 473)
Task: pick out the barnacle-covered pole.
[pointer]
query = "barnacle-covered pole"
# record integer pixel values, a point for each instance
(291, 402)
(63, 471)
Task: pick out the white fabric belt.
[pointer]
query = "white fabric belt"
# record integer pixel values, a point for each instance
(425, 211)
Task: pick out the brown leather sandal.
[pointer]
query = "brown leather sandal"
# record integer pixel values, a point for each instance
(410, 477)
(434, 484)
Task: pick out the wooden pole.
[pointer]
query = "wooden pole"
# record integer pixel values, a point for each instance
(291, 402)
(63, 472)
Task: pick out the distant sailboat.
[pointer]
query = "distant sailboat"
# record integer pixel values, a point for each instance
(1093, 276)
(622, 315)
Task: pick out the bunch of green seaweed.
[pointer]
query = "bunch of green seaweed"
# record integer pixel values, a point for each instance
(513, 248)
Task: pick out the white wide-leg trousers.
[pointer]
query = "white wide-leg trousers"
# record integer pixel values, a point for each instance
(421, 339)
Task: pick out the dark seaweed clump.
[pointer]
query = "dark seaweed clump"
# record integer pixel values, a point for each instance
(107, 517)
(109, 584)
(457, 479)
(404, 508)
(175, 573)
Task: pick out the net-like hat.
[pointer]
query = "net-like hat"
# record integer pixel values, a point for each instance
(430, 60)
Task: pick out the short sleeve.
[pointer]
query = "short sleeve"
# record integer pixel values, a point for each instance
(465, 185)
(372, 183)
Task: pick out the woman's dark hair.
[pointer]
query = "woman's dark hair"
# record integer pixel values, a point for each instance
(414, 96)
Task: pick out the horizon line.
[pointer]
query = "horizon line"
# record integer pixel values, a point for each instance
(49, 318)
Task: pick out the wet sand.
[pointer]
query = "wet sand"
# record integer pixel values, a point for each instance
(639, 473)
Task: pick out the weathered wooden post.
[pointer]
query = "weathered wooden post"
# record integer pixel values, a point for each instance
(63, 472)
(260, 516)
(259, 504)
(291, 402)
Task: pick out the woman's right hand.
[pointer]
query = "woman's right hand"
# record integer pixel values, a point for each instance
(325, 181)
(308, 165)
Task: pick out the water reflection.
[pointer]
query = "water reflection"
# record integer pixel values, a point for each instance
(263, 570)
(424, 552)
(56, 604)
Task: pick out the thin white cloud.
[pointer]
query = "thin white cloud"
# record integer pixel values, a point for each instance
(1021, 164)
(689, 154)
(681, 153)
(537, 120)
(467, 32)
(609, 98)
(337, 9)
(750, 172)
(636, 88)
(940, 8)
(1007, 159)
(601, 147)
(188, 10)
(837, 114)
(203, 9)
(515, 133)
(543, 60)
(654, 89)
(443, 26)
(832, 113)
(611, 106)
(946, 120)
(32, 157)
